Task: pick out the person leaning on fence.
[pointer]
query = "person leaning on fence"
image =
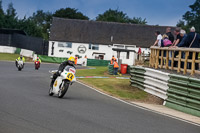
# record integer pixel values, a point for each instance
(175, 43)
(169, 34)
(193, 41)
(116, 66)
(158, 39)
(182, 44)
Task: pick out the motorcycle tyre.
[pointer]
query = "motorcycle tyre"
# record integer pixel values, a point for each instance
(63, 90)
(50, 91)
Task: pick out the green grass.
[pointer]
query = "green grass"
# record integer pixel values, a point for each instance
(117, 87)
(99, 71)
(11, 57)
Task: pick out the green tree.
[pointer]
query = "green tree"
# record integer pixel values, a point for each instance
(43, 20)
(10, 17)
(2, 15)
(119, 16)
(113, 16)
(70, 13)
(138, 20)
(192, 18)
(30, 27)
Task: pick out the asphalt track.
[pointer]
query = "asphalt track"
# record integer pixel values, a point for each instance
(25, 107)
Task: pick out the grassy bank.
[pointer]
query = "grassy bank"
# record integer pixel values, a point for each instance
(116, 87)
(12, 57)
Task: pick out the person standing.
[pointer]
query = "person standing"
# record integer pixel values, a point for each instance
(178, 37)
(193, 41)
(116, 66)
(176, 42)
(169, 34)
(139, 53)
(112, 60)
(158, 40)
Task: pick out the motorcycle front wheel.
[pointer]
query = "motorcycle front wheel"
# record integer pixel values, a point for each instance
(63, 90)
(51, 91)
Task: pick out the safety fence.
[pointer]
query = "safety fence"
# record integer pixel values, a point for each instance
(49, 59)
(180, 59)
(95, 62)
(178, 92)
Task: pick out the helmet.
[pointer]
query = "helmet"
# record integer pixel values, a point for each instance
(71, 60)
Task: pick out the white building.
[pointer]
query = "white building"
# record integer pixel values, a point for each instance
(92, 51)
(99, 40)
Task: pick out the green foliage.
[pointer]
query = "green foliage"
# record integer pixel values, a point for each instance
(38, 25)
(118, 16)
(192, 17)
(71, 13)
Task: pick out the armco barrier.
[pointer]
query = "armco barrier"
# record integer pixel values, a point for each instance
(94, 62)
(184, 94)
(49, 59)
(151, 81)
(179, 92)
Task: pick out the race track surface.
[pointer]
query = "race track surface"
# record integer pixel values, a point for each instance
(26, 107)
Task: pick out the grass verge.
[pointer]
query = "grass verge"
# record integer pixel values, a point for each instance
(116, 87)
(12, 57)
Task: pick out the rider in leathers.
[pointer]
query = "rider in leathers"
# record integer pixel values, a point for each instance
(69, 62)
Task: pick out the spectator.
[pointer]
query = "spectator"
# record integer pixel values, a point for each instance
(176, 42)
(158, 40)
(169, 34)
(183, 41)
(139, 53)
(182, 44)
(178, 36)
(112, 60)
(193, 41)
(166, 41)
(116, 66)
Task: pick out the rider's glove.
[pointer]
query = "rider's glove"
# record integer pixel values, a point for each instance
(59, 72)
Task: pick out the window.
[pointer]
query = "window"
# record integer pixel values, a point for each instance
(94, 46)
(66, 45)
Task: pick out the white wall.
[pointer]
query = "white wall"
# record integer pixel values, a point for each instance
(7, 49)
(107, 49)
(11, 50)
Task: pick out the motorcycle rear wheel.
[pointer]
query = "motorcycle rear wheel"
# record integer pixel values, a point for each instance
(63, 90)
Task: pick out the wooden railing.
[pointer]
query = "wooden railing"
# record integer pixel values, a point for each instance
(175, 59)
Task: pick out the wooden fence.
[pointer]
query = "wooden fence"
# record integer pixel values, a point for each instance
(180, 59)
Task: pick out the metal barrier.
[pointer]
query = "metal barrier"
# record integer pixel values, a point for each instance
(179, 92)
(149, 80)
(184, 94)
(180, 59)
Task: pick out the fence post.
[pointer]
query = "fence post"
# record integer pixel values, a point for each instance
(172, 61)
(179, 62)
(185, 62)
(162, 52)
(193, 63)
(151, 59)
(167, 60)
(157, 58)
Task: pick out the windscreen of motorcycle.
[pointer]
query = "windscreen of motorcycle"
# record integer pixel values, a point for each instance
(70, 69)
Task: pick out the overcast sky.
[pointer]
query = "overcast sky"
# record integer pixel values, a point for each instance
(161, 12)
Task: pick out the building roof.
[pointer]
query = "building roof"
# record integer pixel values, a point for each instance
(12, 31)
(96, 32)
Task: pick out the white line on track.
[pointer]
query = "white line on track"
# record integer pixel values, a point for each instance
(131, 104)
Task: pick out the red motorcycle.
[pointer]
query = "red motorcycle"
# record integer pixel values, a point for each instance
(37, 65)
